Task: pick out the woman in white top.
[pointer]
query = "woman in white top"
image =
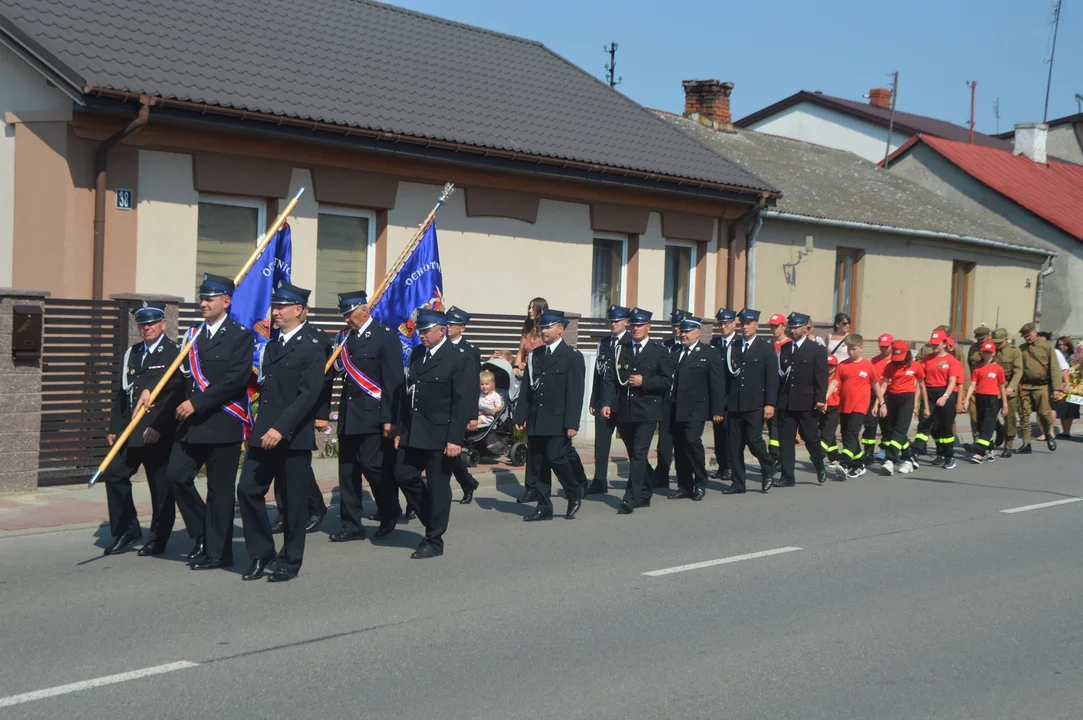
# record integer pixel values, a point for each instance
(1066, 411)
(835, 341)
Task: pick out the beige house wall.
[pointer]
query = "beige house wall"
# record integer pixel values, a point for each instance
(303, 226)
(167, 207)
(904, 282)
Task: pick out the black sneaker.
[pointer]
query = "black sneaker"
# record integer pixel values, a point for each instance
(950, 464)
(938, 461)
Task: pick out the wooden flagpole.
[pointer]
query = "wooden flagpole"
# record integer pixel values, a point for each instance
(397, 267)
(264, 241)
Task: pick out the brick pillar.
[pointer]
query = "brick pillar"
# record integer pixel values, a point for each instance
(130, 301)
(571, 332)
(20, 400)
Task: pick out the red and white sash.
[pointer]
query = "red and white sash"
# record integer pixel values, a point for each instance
(359, 378)
(241, 412)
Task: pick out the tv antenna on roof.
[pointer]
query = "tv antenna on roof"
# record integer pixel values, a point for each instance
(996, 113)
(611, 68)
(1052, 55)
(1078, 102)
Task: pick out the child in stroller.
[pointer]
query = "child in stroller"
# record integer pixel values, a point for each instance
(497, 438)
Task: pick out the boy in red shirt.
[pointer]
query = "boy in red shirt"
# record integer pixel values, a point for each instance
(856, 380)
(873, 419)
(829, 419)
(988, 382)
(780, 338)
(942, 373)
(903, 378)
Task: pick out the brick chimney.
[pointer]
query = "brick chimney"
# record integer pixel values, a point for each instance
(1030, 141)
(880, 97)
(708, 102)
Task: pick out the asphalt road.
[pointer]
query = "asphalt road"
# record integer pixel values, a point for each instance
(907, 597)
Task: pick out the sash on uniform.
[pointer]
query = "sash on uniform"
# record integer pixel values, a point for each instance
(359, 378)
(241, 412)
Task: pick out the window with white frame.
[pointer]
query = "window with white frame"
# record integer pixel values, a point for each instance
(344, 241)
(680, 276)
(607, 273)
(228, 230)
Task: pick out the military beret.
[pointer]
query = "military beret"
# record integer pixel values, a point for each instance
(1029, 327)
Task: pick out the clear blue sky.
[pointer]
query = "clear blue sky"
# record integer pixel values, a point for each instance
(843, 47)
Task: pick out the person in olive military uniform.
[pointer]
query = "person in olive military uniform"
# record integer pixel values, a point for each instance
(726, 326)
(635, 399)
(1041, 374)
(802, 397)
(214, 421)
(698, 394)
(659, 474)
(291, 380)
(441, 398)
(1011, 361)
(753, 392)
(548, 409)
(603, 376)
(456, 323)
(149, 444)
(371, 366)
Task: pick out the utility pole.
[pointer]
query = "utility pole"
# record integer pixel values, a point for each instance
(891, 118)
(1078, 102)
(973, 85)
(611, 68)
(996, 113)
(1052, 55)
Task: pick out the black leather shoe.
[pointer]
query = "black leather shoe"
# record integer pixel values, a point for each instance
(346, 536)
(257, 568)
(624, 508)
(597, 488)
(699, 492)
(384, 530)
(314, 522)
(282, 575)
(716, 474)
(468, 495)
(727, 475)
(573, 508)
(197, 551)
(785, 483)
(1051, 443)
(731, 490)
(375, 515)
(528, 497)
(123, 543)
(1006, 452)
(767, 483)
(644, 502)
(150, 550)
(279, 526)
(1025, 450)
(681, 494)
(410, 515)
(209, 563)
(426, 550)
(539, 515)
(821, 475)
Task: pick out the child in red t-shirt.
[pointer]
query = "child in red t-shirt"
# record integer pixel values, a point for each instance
(829, 418)
(903, 379)
(942, 374)
(987, 384)
(856, 380)
(874, 420)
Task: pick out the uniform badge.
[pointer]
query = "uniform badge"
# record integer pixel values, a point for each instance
(315, 341)
(368, 333)
(697, 348)
(145, 303)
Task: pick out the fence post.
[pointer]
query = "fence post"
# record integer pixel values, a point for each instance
(130, 301)
(571, 332)
(20, 399)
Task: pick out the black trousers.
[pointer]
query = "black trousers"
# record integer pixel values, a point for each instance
(788, 423)
(852, 425)
(637, 440)
(260, 469)
(722, 444)
(988, 407)
(829, 440)
(746, 430)
(603, 440)
(868, 433)
(659, 474)
(213, 520)
(688, 454)
(462, 474)
(315, 501)
(549, 454)
(925, 424)
(773, 443)
(900, 410)
(431, 497)
(372, 456)
(118, 492)
(941, 422)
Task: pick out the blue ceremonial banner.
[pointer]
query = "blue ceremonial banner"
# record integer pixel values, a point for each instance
(251, 305)
(420, 284)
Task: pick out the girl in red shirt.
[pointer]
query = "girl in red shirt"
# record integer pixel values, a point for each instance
(903, 379)
(988, 382)
(942, 373)
(856, 379)
(829, 419)
(874, 419)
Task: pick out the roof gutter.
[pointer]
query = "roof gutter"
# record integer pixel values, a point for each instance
(347, 131)
(750, 256)
(970, 239)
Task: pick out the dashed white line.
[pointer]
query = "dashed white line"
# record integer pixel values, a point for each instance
(1039, 506)
(96, 682)
(720, 561)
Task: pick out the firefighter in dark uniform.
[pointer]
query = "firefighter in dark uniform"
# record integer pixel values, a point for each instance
(150, 441)
(753, 391)
(214, 421)
(659, 474)
(726, 325)
(802, 397)
(548, 408)
(456, 323)
(603, 376)
(291, 380)
(441, 398)
(698, 394)
(371, 366)
(635, 399)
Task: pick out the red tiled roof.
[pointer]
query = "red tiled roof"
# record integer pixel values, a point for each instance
(1053, 191)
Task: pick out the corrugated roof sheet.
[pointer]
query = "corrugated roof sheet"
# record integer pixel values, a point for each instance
(821, 182)
(367, 65)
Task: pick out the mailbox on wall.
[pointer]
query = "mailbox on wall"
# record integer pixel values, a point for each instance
(26, 333)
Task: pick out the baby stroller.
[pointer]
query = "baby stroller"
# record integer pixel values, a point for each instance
(498, 439)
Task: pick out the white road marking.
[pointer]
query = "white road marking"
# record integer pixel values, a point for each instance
(721, 561)
(1039, 506)
(96, 682)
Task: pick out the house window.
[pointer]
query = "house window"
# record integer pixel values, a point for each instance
(344, 240)
(227, 235)
(680, 277)
(847, 264)
(960, 296)
(607, 274)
